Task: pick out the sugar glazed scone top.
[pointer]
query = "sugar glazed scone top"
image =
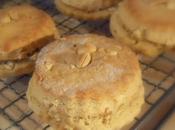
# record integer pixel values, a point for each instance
(152, 20)
(86, 82)
(20, 29)
(83, 67)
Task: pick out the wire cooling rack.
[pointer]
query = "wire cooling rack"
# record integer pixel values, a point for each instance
(158, 76)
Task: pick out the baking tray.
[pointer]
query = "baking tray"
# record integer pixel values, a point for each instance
(158, 76)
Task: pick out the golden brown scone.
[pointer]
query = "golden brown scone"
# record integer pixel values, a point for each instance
(87, 9)
(86, 82)
(23, 29)
(147, 26)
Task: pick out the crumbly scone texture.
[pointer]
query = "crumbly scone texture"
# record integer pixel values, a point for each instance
(23, 28)
(16, 68)
(13, 68)
(90, 5)
(150, 34)
(86, 82)
(82, 14)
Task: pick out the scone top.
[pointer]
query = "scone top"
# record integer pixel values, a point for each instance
(21, 29)
(152, 12)
(87, 66)
(152, 20)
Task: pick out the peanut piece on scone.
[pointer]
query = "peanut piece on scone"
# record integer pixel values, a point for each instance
(87, 48)
(91, 47)
(84, 60)
(171, 5)
(9, 65)
(72, 66)
(5, 20)
(49, 66)
(111, 52)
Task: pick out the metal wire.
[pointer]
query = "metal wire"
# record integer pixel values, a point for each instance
(14, 112)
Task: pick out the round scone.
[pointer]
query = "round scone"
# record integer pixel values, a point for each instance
(147, 26)
(86, 82)
(87, 9)
(23, 31)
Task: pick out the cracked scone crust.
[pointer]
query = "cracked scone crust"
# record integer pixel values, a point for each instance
(150, 34)
(23, 29)
(86, 82)
(89, 13)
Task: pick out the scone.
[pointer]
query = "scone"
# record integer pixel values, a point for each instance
(23, 31)
(147, 26)
(87, 9)
(86, 82)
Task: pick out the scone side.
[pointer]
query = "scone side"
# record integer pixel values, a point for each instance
(16, 69)
(150, 39)
(125, 36)
(53, 107)
(158, 28)
(90, 5)
(80, 14)
(28, 50)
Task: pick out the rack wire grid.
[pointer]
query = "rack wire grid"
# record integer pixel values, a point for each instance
(158, 76)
